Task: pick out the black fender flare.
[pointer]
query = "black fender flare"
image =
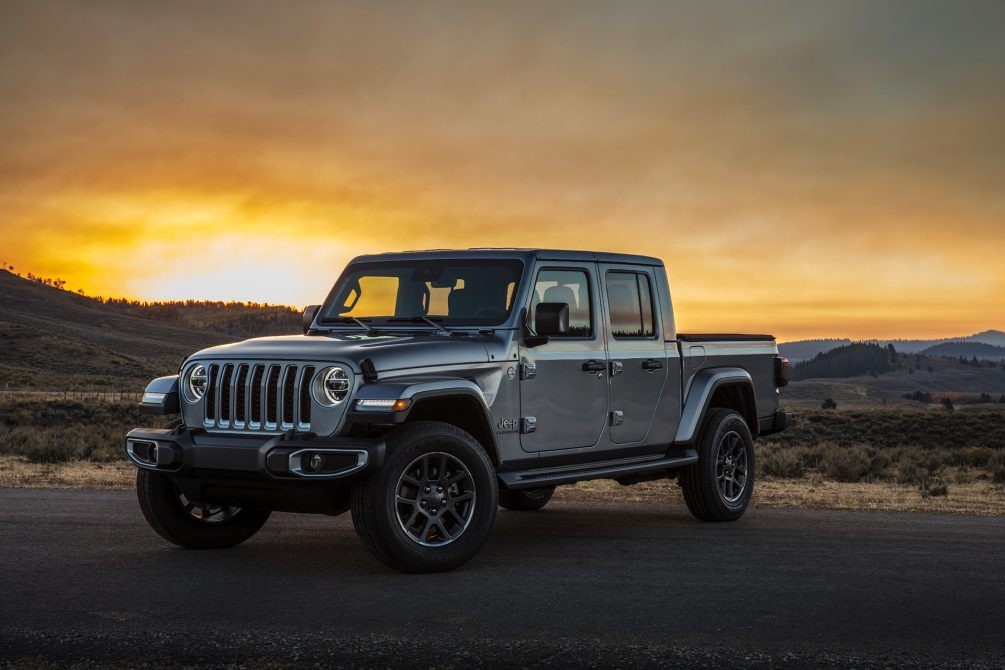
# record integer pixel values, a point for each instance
(700, 391)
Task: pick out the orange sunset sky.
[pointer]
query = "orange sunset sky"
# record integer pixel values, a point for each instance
(804, 168)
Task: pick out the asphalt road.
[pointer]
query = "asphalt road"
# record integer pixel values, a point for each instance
(84, 581)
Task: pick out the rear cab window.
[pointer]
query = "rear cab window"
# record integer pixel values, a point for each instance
(630, 305)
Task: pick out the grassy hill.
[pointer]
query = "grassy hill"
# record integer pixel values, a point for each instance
(51, 339)
(850, 360)
(980, 350)
(910, 373)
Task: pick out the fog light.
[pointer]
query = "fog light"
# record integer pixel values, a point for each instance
(314, 463)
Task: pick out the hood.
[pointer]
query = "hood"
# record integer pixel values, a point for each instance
(388, 352)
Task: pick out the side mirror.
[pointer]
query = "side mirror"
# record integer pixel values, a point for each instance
(551, 318)
(310, 312)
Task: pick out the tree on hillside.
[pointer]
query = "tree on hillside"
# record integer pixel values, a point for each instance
(829, 404)
(920, 396)
(850, 360)
(947, 402)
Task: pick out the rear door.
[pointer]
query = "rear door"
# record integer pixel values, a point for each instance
(638, 359)
(563, 392)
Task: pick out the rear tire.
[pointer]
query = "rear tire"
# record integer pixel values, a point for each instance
(525, 499)
(190, 524)
(719, 486)
(432, 504)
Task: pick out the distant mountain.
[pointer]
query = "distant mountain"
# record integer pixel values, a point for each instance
(966, 349)
(806, 349)
(992, 337)
(51, 339)
(802, 350)
(850, 360)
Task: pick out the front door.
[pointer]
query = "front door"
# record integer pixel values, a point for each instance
(563, 388)
(638, 360)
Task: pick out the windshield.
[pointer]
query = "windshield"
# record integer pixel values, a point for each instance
(447, 292)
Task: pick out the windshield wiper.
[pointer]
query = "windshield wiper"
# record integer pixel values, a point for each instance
(420, 319)
(359, 322)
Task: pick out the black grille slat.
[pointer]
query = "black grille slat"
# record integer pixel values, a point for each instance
(272, 393)
(241, 394)
(225, 392)
(256, 394)
(211, 399)
(305, 394)
(289, 394)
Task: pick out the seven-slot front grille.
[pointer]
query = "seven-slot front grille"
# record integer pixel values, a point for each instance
(258, 396)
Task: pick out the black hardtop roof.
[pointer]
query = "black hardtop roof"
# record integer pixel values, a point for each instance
(522, 254)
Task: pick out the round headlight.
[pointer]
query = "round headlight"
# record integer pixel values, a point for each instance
(331, 386)
(197, 380)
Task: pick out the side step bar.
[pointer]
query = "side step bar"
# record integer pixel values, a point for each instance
(530, 479)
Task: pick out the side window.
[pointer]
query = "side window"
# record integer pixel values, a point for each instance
(571, 287)
(629, 297)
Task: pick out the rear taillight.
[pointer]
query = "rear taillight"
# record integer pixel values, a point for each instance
(781, 372)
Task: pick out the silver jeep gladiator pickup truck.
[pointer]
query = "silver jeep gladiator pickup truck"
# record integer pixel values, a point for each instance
(432, 387)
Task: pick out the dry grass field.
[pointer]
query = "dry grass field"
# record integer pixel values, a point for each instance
(889, 459)
(979, 497)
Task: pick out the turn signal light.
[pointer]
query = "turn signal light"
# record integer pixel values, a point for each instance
(383, 405)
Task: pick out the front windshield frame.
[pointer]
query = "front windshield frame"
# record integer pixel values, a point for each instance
(329, 316)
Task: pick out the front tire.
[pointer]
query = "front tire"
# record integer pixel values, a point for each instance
(191, 524)
(432, 504)
(719, 486)
(525, 499)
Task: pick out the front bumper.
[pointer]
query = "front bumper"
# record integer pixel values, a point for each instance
(289, 457)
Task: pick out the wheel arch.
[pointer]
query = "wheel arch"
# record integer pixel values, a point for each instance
(727, 388)
(460, 408)
(458, 402)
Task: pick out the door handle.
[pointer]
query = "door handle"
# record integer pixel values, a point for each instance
(594, 366)
(652, 364)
